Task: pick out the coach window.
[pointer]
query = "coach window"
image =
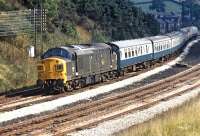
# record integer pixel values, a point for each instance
(142, 50)
(125, 51)
(133, 54)
(155, 46)
(126, 55)
(163, 46)
(129, 53)
(147, 48)
(136, 53)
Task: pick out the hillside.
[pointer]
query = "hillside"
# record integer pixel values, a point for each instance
(16, 69)
(104, 20)
(72, 22)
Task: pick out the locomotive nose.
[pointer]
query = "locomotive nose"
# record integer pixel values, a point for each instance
(50, 69)
(51, 72)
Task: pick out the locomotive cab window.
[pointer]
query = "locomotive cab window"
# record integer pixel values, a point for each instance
(59, 67)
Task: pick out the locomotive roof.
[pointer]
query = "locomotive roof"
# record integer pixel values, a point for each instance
(134, 42)
(86, 46)
(92, 48)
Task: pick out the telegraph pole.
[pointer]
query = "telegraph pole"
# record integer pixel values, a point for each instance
(39, 20)
(41, 24)
(35, 30)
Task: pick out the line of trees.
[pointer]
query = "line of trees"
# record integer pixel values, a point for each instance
(116, 19)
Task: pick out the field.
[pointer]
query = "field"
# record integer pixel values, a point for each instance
(184, 121)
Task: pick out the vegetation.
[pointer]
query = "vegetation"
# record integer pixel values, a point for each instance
(5, 5)
(69, 22)
(108, 19)
(195, 10)
(16, 69)
(184, 121)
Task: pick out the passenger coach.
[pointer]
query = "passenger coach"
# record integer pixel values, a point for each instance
(131, 52)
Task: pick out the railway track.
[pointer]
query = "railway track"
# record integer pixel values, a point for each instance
(89, 113)
(16, 100)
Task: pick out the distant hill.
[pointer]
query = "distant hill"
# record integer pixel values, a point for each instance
(170, 6)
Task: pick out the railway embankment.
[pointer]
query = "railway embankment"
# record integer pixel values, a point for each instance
(89, 94)
(105, 106)
(179, 121)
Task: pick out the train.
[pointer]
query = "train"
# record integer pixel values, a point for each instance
(70, 67)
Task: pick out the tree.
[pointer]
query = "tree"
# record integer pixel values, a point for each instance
(52, 7)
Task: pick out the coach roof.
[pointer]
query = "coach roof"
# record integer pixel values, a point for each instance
(159, 38)
(130, 43)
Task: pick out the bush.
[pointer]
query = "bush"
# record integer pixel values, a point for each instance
(4, 6)
(69, 29)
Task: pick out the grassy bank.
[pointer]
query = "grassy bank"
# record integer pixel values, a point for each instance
(16, 69)
(184, 121)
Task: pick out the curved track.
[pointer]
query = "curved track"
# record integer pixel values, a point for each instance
(87, 114)
(19, 99)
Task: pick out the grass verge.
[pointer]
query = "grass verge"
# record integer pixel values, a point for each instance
(183, 121)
